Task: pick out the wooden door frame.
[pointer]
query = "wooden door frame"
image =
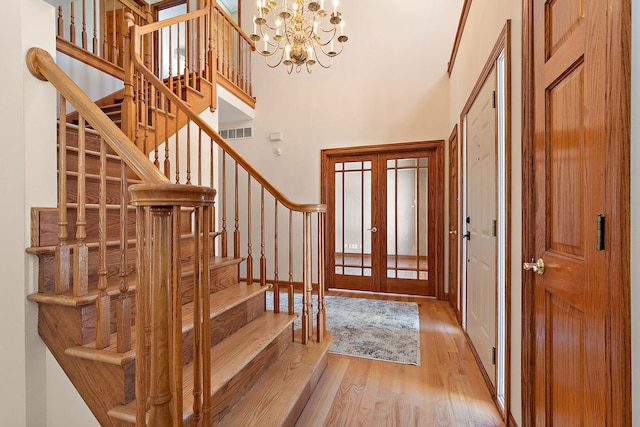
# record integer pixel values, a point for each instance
(502, 44)
(618, 129)
(454, 298)
(438, 187)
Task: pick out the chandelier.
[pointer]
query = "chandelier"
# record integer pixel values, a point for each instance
(294, 34)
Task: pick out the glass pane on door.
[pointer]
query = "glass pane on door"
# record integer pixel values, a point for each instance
(407, 218)
(353, 218)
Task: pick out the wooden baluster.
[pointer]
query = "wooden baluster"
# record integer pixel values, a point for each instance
(103, 301)
(206, 310)
(170, 55)
(307, 323)
(188, 151)
(198, 318)
(63, 250)
(72, 25)
(200, 165)
(160, 413)
(211, 57)
(104, 54)
(176, 320)
(178, 66)
(129, 123)
(276, 282)
(167, 161)
(223, 236)
(236, 232)
(81, 252)
(60, 25)
(321, 322)
(160, 104)
(123, 307)
(187, 52)
(114, 43)
(290, 285)
(94, 41)
(263, 260)
(249, 235)
(177, 137)
(84, 25)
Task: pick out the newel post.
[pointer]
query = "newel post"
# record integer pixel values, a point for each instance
(158, 298)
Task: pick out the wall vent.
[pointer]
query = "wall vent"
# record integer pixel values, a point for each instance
(237, 133)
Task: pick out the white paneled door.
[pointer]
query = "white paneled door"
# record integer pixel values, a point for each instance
(481, 225)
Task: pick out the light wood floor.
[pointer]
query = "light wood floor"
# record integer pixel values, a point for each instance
(447, 389)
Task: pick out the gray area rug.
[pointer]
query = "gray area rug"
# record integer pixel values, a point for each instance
(372, 329)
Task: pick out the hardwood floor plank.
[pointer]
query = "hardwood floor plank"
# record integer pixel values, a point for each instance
(447, 389)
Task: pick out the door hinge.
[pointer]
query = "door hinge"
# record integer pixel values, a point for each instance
(493, 99)
(600, 233)
(493, 355)
(494, 227)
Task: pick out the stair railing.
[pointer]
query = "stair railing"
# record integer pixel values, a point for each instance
(89, 31)
(198, 144)
(166, 214)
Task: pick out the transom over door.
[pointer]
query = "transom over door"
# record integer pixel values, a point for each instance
(382, 221)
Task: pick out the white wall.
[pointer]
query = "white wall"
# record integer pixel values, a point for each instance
(389, 85)
(486, 20)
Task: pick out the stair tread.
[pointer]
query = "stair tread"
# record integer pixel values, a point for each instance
(277, 393)
(219, 302)
(227, 358)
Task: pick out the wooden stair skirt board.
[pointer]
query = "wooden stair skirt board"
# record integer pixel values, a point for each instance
(261, 374)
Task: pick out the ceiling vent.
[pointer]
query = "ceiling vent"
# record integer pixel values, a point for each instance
(237, 133)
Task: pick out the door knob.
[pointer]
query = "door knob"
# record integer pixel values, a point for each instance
(537, 266)
(453, 232)
(373, 229)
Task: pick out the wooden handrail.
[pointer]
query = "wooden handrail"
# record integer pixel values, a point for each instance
(134, 8)
(184, 108)
(42, 66)
(155, 26)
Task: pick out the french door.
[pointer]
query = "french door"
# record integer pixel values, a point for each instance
(384, 219)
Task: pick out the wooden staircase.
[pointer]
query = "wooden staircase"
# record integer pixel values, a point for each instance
(141, 299)
(261, 376)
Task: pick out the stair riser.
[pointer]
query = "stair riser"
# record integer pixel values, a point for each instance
(92, 191)
(113, 259)
(224, 400)
(219, 276)
(226, 324)
(46, 225)
(92, 141)
(88, 318)
(92, 164)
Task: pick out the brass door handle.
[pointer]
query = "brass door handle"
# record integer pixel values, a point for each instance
(453, 232)
(373, 229)
(537, 266)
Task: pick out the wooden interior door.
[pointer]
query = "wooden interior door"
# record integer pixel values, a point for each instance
(481, 225)
(580, 357)
(454, 224)
(384, 218)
